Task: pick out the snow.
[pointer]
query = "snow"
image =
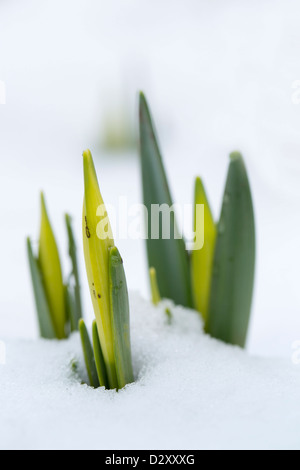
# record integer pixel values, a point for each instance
(192, 392)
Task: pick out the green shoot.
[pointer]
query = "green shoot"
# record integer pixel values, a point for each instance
(234, 261)
(222, 272)
(156, 299)
(107, 282)
(88, 355)
(168, 256)
(58, 304)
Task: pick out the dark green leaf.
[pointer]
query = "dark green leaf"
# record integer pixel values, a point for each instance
(88, 355)
(234, 261)
(99, 360)
(44, 316)
(76, 308)
(71, 309)
(168, 256)
(120, 318)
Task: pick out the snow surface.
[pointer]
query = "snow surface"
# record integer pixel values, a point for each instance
(192, 392)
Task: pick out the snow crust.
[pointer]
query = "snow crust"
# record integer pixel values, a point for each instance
(191, 392)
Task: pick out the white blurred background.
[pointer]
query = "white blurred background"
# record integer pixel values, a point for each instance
(219, 75)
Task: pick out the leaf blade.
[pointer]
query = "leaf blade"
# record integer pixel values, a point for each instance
(234, 262)
(120, 318)
(71, 312)
(156, 298)
(97, 261)
(168, 256)
(99, 359)
(202, 259)
(88, 354)
(43, 311)
(76, 310)
(49, 262)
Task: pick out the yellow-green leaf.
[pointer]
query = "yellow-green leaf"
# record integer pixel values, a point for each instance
(88, 354)
(41, 301)
(154, 287)
(97, 239)
(99, 360)
(202, 259)
(50, 266)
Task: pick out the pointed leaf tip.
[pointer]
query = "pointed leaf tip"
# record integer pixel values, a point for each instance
(43, 202)
(235, 156)
(115, 257)
(142, 97)
(87, 154)
(68, 218)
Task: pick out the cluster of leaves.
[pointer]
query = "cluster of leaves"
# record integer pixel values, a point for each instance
(58, 303)
(108, 360)
(218, 279)
(110, 356)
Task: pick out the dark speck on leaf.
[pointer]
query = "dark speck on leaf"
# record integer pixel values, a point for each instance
(87, 230)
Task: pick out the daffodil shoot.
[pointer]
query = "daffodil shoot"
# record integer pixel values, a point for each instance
(58, 303)
(216, 277)
(107, 283)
